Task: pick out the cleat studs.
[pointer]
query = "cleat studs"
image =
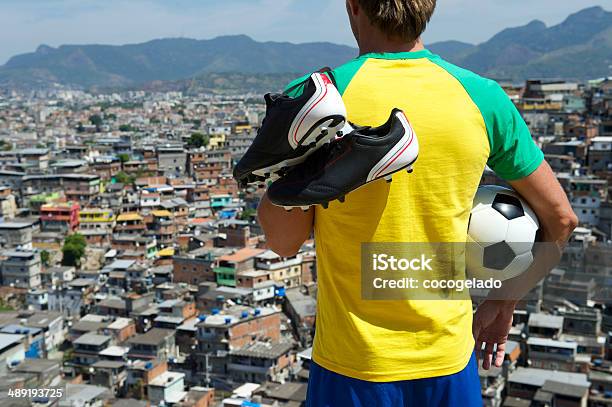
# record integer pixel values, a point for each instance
(305, 208)
(325, 205)
(342, 198)
(288, 208)
(388, 178)
(267, 175)
(324, 132)
(312, 145)
(409, 170)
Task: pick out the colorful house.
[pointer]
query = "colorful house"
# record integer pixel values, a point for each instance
(60, 217)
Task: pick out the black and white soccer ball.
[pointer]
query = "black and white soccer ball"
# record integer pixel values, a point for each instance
(502, 232)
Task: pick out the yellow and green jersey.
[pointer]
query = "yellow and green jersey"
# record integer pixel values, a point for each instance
(463, 122)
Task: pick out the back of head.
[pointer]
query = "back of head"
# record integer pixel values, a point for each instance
(399, 19)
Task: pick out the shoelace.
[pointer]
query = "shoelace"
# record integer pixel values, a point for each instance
(328, 152)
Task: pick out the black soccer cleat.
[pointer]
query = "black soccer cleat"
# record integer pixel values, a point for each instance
(364, 155)
(292, 129)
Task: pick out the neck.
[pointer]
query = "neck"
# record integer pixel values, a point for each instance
(383, 45)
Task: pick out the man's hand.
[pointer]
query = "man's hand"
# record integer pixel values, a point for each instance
(492, 322)
(285, 231)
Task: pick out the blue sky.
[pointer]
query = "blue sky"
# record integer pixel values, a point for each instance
(25, 24)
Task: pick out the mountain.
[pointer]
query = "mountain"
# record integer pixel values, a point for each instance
(450, 49)
(166, 59)
(578, 48)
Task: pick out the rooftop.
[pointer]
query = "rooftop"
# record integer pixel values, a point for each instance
(121, 264)
(128, 217)
(262, 350)
(108, 364)
(287, 391)
(241, 255)
(37, 366)
(84, 394)
(304, 305)
(154, 337)
(91, 338)
(166, 378)
(16, 225)
(20, 330)
(545, 321)
(120, 323)
(237, 314)
(551, 342)
(537, 377)
(88, 326)
(114, 351)
(8, 340)
(565, 389)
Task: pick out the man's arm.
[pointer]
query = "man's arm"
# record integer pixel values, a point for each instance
(493, 317)
(285, 231)
(543, 193)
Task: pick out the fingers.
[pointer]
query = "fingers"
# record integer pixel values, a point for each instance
(488, 354)
(478, 350)
(500, 353)
(493, 353)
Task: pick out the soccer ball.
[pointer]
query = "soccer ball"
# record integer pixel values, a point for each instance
(502, 231)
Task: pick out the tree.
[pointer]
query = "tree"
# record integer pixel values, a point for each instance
(247, 214)
(126, 127)
(96, 120)
(198, 140)
(77, 239)
(124, 178)
(73, 249)
(123, 157)
(44, 258)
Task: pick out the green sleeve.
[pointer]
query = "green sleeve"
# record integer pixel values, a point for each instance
(514, 154)
(292, 89)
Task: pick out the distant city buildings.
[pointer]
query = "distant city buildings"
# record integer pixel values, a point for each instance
(178, 302)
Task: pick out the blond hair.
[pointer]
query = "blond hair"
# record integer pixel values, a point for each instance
(404, 19)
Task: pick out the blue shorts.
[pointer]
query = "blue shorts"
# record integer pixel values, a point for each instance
(329, 389)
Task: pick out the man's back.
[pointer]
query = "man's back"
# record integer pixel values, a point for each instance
(462, 122)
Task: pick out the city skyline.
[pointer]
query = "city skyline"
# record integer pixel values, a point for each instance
(57, 22)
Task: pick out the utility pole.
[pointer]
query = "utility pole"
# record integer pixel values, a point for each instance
(207, 369)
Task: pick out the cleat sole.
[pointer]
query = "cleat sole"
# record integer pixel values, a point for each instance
(326, 134)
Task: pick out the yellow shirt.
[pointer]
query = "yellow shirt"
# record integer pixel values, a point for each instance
(462, 122)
